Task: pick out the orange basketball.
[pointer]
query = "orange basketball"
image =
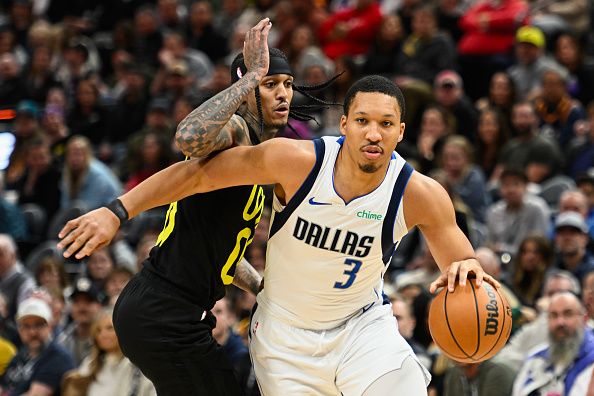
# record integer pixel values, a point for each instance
(472, 323)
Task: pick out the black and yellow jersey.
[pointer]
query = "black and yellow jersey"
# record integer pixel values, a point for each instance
(203, 239)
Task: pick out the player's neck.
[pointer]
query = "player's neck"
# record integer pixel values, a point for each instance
(254, 123)
(350, 181)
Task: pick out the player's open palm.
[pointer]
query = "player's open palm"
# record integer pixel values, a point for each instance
(89, 232)
(255, 48)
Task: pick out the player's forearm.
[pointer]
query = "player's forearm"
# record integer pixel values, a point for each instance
(246, 277)
(198, 134)
(169, 185)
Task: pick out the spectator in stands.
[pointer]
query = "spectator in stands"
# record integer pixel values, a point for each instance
(585, 183)
(132, 104)
(76, 67)
(492, 135)
(39, 78)
(467, 179)
(573, 12)
(16, 283)
(350, 31)
(580, 151)
(38, 367)
(528, 143)
(155, 155)
(230, 341)
(488, 29)
(99, 266)
(51, 274)
(12, 86)
(117, 279)
(564, 365)
(487, 378)
(12, 221)
(26, 128)
(89, 117)
(528, 268)
(515, 216)
(55, 131)
(426, 51)
(571, 241)
(436, 126)
(531, 62)
(203, 36)
(86, 179)
(448, 14)
(106, 371)
(171, 14)
(148, 38)
(383, 54)
(449, 93)
(556, 110)
(86, 303)
(534, 334)
(570, 54)
(501, 96)
(40, 184)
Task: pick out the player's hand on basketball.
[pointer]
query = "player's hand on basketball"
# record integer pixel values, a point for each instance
(459, 271)
(255, 48)
(89, 232)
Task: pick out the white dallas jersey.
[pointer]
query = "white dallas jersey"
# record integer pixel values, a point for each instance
(326, 258)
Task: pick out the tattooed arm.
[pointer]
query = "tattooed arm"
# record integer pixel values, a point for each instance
(247, 278)
(212, 127)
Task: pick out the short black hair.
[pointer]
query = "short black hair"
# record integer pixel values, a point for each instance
(375, 83)
(514, 172)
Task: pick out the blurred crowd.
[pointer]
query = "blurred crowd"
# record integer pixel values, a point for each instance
(500, 111)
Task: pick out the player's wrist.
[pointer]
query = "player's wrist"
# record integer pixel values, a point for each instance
(117, 208)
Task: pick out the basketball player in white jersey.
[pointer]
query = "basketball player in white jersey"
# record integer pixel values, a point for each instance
(341, 206)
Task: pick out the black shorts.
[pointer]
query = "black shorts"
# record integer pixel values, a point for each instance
(165, 336)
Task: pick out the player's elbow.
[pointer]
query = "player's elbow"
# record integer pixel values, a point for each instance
(186, 142)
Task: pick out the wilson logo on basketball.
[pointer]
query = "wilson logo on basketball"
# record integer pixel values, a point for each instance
(492, 323)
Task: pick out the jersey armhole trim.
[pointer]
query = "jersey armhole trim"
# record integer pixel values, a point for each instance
(281, 218)
(388, 245)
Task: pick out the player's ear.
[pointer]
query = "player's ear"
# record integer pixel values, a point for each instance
(343, 122)
(401, 135)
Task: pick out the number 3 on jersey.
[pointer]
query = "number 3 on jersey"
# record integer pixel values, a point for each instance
(351, 273)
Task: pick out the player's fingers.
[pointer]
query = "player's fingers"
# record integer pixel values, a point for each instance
(439, 282)
(492, 281)
(452, 274)
(69, 238)
(262, 24)
(78, 242)
(89, 247)
(266, 29)
(71, 225)
(463, 274)
(480, 274)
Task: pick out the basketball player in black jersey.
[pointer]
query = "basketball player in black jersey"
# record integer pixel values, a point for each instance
(162, 317)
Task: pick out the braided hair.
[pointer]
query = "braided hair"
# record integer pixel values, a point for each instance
(279, 64)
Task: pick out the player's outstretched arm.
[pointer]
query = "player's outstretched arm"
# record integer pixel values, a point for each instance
(95, 229)
(212, 127)
(428, 206)
(282, 161)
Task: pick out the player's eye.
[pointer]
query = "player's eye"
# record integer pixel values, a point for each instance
(387, 123)
(360, 120)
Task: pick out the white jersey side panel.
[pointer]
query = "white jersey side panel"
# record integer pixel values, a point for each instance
(326, 262)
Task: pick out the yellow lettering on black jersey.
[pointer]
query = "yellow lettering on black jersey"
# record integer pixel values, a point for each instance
(244, 237)
(169, 224)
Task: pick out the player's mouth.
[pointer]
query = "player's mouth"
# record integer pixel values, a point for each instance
(282, 110)
(372, 152)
